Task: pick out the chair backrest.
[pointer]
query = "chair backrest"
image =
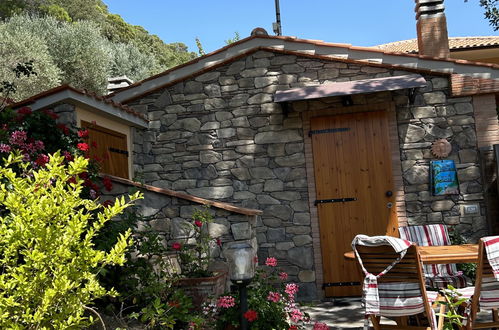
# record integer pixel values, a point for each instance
(486, 293)
(426, 235)
(430, 235)
(402, 289)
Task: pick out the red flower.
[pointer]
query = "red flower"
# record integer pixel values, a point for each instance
(63, 128)
(198, 223)
(51, 114)
(219, 242)
(83, 146)
(250, 315)
(83, 133)
(25, 111)
(108, 184)
(176, 246)
(42, 160)
(293, 327)
(72, 180)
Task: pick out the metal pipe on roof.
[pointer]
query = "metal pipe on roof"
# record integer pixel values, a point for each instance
(277, 25)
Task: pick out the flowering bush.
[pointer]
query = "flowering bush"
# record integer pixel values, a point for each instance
(193, 250)
(36, 135)
(271, 303)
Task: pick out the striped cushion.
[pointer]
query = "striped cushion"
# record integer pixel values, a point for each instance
(439, 275)
(489, 295)
(402, 298)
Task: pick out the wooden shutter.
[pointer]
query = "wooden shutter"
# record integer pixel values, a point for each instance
(109, 146)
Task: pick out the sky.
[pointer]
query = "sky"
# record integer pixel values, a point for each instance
(356, 22)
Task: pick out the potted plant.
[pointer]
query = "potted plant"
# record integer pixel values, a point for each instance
(193, 252)
(271, 304)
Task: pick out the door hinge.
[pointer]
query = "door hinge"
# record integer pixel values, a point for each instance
(328, 130)
(119, 151)
(335, 200)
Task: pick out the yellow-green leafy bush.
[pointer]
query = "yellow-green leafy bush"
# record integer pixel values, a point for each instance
(49, 265)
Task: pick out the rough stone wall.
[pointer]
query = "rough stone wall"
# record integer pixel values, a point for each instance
(219, 136)
(434, 115)
(168, 215)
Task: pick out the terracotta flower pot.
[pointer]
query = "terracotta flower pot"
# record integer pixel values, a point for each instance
(199, 289)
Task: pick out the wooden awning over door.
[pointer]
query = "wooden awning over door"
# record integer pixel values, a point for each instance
(351, 87)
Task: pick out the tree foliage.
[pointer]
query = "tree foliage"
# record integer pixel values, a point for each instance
(74, 53)
(21, 46)
(49, 263)
(48, 21)
(491, 12)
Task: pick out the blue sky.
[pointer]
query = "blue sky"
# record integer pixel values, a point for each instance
(357, 22)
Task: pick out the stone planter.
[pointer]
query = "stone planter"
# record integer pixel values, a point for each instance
(199, 289)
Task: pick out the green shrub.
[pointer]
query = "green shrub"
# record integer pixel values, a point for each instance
(49, 263)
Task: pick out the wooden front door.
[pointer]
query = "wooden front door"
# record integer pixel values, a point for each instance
(352, 161)
(110, 147)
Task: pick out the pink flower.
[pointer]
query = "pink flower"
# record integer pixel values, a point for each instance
(176, 246)
(283, 276)
(250, 315)
(67, 155)
(5, 148)
(82, 146)
(274, 296)
(39, 145)
(271, 261)
(42, 160)
(320, 326)
(226, 302)
(296, 315)
(198, 223)
(291, 289)
(18, 138)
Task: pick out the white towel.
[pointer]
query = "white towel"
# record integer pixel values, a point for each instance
(370, 286)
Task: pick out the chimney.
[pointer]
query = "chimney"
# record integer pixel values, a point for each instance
(116, 83)
(433, 39)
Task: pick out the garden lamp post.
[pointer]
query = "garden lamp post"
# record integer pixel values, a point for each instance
(241, 270)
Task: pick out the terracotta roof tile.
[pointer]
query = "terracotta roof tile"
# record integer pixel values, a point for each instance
(85, 92)
(455, 43)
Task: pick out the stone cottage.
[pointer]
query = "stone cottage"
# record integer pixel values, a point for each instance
(328, 140)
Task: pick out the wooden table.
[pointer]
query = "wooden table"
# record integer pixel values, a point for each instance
(446, 254)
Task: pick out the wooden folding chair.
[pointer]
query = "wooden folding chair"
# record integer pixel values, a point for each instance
(438, 276)
(401, 290)
(485, 294)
